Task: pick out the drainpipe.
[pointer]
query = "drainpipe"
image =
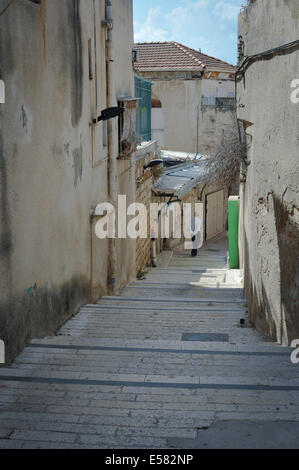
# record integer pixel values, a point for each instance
(112, 143)
(154, 253)
(197, 130)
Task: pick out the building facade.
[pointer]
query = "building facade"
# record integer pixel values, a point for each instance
(61, 67)
(193, 95)
(268, 107)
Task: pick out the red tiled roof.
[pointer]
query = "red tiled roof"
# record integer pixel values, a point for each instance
(174, 56)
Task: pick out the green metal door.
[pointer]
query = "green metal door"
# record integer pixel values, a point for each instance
(233, 231)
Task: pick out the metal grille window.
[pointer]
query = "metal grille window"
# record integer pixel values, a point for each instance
(143, 91)
(228, 102)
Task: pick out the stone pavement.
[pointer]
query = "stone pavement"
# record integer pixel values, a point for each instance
(164, 365)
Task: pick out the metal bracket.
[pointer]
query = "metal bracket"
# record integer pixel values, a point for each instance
(107, 24)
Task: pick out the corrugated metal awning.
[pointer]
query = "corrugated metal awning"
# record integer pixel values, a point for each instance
(178, 181)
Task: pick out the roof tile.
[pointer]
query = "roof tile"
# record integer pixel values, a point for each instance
(175, 56)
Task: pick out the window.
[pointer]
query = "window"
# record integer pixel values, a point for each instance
(220, 92)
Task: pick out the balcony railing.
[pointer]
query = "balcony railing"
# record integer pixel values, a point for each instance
(221, 103)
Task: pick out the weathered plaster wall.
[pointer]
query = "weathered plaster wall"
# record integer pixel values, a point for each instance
(179, 99)
(270, 199)
(49, 179)
(189, 126)
(223, 87)
(214, 123)
(124, 86)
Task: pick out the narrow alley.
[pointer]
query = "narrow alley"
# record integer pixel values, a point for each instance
(130, 130)
(172, 362)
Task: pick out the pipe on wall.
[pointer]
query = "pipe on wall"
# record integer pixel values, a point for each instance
(197, 130)
(112, 143)
(154, 253)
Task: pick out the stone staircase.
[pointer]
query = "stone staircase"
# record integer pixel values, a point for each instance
(166, 364)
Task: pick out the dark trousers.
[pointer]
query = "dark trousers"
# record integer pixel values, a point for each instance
(193, 252)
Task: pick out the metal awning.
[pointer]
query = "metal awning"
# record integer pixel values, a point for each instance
(171, 157)
(181, 179)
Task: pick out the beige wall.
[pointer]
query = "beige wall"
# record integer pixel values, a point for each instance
(189, 126)
(51, 177)
(199, 195)
(179, 99)
(221, 88)
(270, 199)
(214, 123)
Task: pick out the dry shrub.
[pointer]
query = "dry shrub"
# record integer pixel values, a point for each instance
(225, 165)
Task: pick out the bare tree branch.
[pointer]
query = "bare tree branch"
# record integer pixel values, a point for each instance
(225, 165)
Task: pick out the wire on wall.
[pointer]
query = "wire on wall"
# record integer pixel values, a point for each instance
(266, 54)
(6, 8)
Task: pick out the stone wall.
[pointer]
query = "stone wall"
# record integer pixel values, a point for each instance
(270, 197)
(200, 193)
(197, 195)
(144, 181)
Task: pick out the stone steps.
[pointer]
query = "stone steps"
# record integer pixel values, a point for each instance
(120, 375)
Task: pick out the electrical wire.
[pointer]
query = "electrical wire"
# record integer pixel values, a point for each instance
(6, 8)
(249, 59)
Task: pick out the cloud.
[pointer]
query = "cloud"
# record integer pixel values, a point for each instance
(177, 19)
(193, 23)
(173, 23)
(150, 30)
(226, 11)
(197, 4)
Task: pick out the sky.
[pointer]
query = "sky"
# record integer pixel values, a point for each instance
(209, 25)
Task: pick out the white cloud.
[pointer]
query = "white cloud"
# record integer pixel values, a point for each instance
(160, 26)
(197, 4)
(177, 19)
(226, 10)
(151, 29)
